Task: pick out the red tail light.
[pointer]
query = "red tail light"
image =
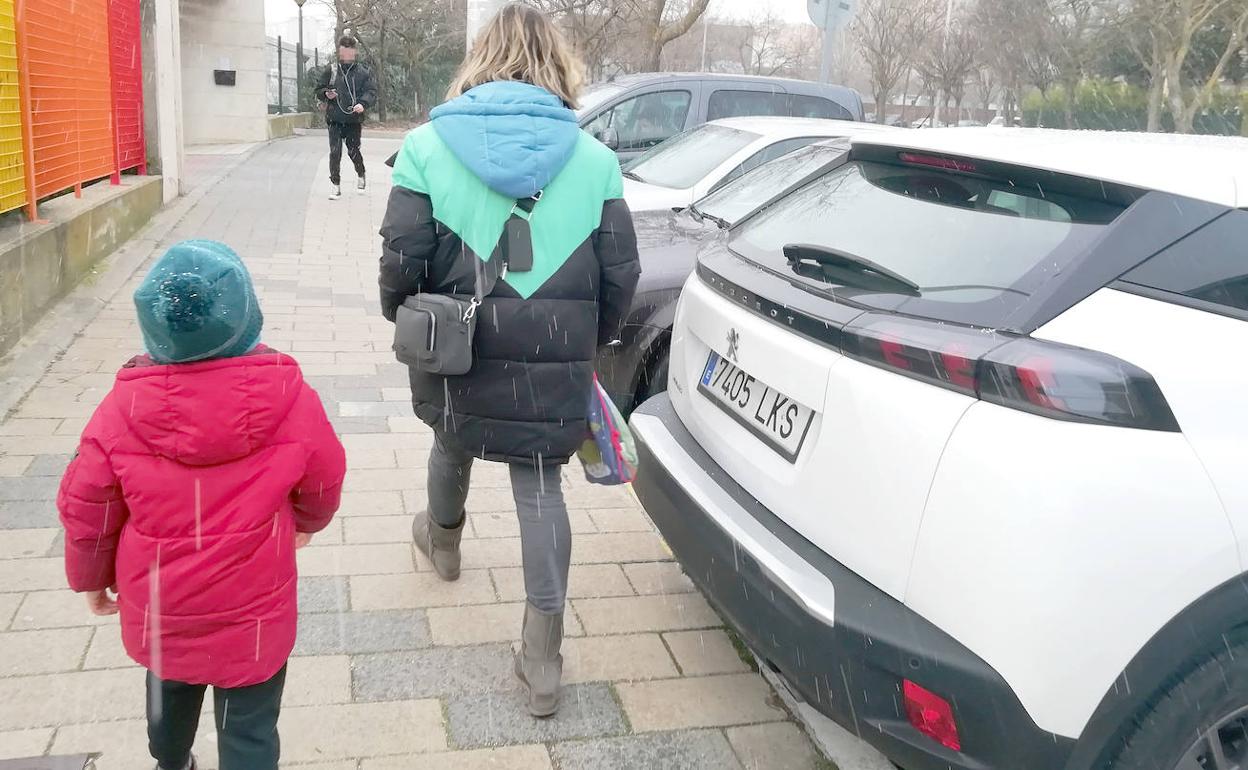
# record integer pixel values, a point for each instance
(959, 366)
(931, 715)
(936, 161)
(1018, 372)
(1036, 377)
(1073, 384)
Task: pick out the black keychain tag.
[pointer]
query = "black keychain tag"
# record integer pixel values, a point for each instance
(518, 245)
(518, 236)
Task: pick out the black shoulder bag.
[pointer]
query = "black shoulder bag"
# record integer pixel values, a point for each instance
(433, 333)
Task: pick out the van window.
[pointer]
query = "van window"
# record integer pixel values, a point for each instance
(736, 104)
(645, 120)
(1210, 265)
(801, 106)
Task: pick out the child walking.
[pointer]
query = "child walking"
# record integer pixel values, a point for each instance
(200, 473)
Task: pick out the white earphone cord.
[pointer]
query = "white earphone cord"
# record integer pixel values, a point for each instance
(350, 91)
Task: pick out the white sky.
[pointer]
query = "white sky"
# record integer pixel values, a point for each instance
(789, 10)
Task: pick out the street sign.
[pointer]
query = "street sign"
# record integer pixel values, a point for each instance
(831, 14)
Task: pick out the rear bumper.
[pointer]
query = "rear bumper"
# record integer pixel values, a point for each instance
(841, 643)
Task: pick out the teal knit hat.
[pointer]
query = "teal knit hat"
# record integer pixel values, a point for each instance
(198, 303)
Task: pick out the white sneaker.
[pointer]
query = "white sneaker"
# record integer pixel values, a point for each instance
(361, 187)
(335, 192)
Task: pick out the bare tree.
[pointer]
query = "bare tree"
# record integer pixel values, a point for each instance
(1016, 42)
(947, 61)
(1001, 50)
(889, 34)
(985, 81)
(593, 26)
(1071, 28)
(768, 50)
(347, 14)
(1161, 34)
(661, 22)
(725, 40)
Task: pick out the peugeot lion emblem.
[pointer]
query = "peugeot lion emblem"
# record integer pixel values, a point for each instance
(734, 341)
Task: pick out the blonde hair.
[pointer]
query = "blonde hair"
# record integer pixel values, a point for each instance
(521, 44)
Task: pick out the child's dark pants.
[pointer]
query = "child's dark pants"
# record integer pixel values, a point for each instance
(246, 722)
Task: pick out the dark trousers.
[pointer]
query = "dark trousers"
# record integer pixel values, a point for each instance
(349, 133)
(246, 722)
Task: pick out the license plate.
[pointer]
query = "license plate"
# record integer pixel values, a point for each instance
(778, 420)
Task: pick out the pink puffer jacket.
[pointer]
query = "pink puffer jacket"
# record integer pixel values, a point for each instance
(189, 485)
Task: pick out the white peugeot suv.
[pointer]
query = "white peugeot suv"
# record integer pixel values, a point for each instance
(956, 436)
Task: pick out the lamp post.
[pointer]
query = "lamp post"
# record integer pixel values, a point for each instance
(298, 61)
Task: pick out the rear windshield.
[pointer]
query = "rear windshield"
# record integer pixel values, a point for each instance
(757, 186)
(972, 250)
(683, 161)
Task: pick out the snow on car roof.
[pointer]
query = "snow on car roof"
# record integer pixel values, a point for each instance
(773, 127)
(1210, 168)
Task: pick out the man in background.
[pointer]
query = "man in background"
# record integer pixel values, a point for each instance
(346, 91)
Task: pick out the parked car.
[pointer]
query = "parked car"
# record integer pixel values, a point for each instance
(633, 113)
(955, 437)
(635, 368)
(686, 167)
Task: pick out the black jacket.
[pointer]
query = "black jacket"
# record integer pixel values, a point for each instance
(347, 79)
(526, 397)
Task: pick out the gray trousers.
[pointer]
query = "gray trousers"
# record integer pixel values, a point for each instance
(545, 535)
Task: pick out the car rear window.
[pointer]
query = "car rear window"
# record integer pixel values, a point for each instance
(754, 188)
(683, 161)
(1210, 265)
(975, 248)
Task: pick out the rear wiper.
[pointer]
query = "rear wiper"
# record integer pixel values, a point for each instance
(700, 215)
(845, 268)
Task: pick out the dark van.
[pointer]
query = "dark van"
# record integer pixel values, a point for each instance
(632, 113)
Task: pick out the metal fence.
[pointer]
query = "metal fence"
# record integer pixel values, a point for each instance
(126, 52)
(12, 148)
(68, 97)
(283, 86)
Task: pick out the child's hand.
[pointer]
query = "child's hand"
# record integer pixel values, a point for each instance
(302, 539)
(100, 603)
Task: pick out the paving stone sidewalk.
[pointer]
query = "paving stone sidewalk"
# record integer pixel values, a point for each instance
(393, 668)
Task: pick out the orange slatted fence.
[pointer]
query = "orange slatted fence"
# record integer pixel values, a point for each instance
(12, 153)
(63, 50)
(126, 51)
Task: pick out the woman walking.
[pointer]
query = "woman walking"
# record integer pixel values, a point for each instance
(502, 174)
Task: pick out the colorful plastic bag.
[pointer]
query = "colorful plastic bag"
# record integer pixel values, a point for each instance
(608, 454)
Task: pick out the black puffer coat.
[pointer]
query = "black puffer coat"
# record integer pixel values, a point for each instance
(354, 79)
(526, 396)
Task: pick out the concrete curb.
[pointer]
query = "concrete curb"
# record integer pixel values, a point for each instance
(23, 366)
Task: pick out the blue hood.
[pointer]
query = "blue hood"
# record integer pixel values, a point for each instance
(515, 137)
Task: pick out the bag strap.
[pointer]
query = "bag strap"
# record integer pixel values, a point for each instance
(485, 280)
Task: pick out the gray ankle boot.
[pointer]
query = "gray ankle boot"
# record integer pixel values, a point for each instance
(539, 664)
(438, 543)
